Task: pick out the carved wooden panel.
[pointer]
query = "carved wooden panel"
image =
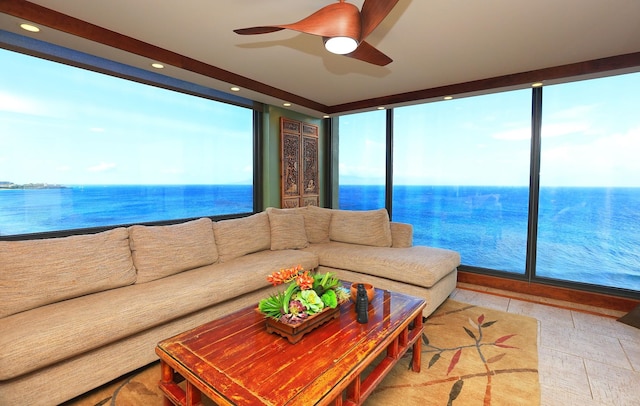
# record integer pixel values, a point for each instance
(299, 163)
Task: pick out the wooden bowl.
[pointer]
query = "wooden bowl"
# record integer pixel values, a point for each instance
(367, 286)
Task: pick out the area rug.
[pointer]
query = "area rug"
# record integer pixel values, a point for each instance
(470, 356)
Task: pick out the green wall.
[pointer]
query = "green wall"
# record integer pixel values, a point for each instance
(271, 155)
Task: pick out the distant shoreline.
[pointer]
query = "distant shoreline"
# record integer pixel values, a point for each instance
(10, 185)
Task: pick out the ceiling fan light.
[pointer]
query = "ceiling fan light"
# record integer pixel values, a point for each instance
(340, 45)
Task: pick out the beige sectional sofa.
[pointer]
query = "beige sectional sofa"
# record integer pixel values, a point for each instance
(79, 311)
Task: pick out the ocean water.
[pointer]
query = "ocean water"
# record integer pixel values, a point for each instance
(588, 235)
(75, 207)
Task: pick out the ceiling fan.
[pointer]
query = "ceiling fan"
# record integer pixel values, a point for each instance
(342, 27)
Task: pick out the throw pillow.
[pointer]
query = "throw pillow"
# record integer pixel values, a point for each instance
(39, 272)
(242, 236)
(287, 231)
(316, 222)
(368, 227)
(160, 251)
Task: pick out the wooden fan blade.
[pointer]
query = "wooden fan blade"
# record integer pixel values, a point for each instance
(257, 30)
(334, 20)
(367, 53)
(373, 12)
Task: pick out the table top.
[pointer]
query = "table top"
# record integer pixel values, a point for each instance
(234, 357)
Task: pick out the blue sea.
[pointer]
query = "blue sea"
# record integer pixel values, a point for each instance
(588, 235)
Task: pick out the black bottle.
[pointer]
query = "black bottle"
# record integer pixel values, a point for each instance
(362, 305)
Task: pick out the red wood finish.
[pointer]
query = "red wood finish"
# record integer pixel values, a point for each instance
(235, 361)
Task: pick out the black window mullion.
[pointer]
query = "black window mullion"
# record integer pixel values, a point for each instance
(534, 182)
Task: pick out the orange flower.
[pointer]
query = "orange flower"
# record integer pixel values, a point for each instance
(284, 275)
(305, 281)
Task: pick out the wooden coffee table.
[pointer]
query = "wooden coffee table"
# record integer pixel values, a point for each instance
(234, 361)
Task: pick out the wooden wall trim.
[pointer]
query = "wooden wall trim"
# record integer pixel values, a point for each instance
(548, 291)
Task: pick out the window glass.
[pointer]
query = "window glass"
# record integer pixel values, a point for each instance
(362, 145)
(81, 149)
(461, 176)
(589, 216)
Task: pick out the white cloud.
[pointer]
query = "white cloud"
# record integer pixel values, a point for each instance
(101, 167)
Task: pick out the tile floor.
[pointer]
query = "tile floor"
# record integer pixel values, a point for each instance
(585, 356)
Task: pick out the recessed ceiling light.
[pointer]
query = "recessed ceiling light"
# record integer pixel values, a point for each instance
(29, 27)
(447, 97)
(235, 89)
(537, 84)
(157, 65)
(286, 104)
(381, 108)
(326, 116)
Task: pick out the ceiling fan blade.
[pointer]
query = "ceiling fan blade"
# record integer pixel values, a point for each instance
(334, 20)
(367, 53)
(257, 30)
(373, 12)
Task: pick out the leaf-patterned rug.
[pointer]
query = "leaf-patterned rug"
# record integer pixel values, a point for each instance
(470, 356)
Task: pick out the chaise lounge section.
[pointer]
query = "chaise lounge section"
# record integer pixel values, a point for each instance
(79, 311)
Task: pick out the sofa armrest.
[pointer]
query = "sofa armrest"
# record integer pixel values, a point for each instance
(401, 235)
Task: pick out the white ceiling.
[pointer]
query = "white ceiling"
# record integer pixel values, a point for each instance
(433, 43)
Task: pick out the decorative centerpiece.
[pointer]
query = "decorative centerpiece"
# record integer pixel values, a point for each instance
(309, 300)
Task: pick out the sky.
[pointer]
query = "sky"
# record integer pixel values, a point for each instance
(590, 137)
(55, 129)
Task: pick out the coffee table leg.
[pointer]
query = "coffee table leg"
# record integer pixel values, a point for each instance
(417, 346)
(166, 378)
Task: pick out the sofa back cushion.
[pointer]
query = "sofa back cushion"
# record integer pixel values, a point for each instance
(39, 272)
(242, 236)
(160, 251)
(287, 229)
(369, 227)
(317, 221)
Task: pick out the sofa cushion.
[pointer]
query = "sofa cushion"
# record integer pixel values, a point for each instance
(32, 340)
(242, 236)
(38, 272)
(368, 227)
(317, 221)
(287, 230)
(160, 251)
(417, 265)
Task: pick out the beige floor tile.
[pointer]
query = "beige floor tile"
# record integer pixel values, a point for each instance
(605, 326)
(585, 344)
(562, 372)
(554, 396)
(632, 349)
(548, 315)
(613, 386)
(481, 299)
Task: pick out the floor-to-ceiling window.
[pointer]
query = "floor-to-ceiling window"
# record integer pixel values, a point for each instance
(589, 215)
(362, 145)
(461, 176)
(80, 149)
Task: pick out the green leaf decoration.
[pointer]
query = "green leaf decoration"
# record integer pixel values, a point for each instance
(489, 323)
(455, 391)
(470, 333)
(433, 360)
(425, 339)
